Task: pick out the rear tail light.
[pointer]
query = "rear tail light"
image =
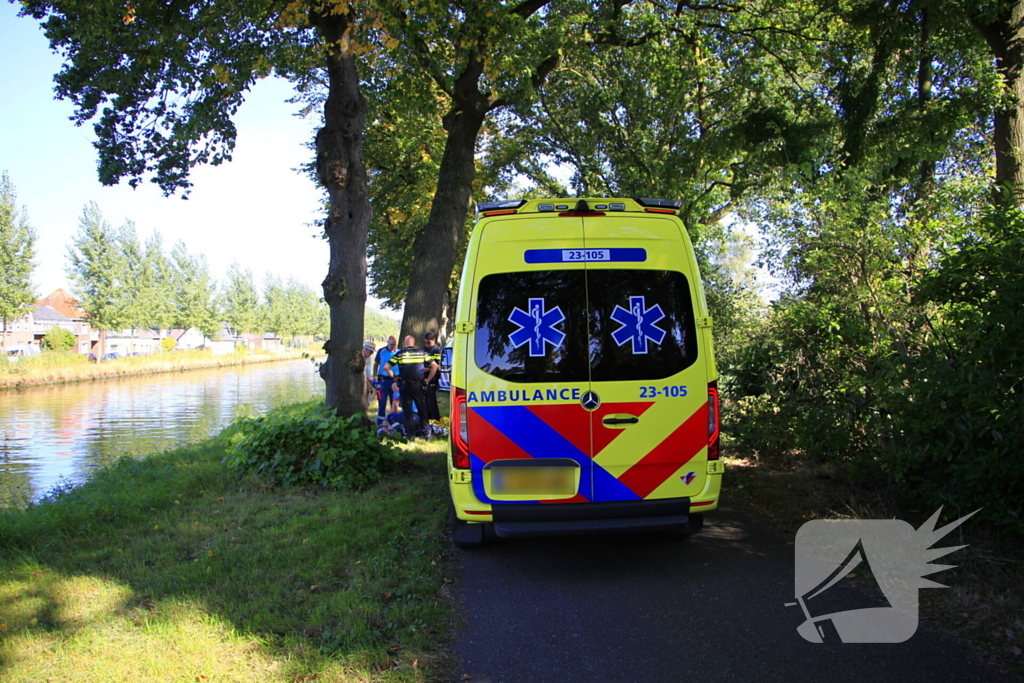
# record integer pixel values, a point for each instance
(713, 420)
(460, 429)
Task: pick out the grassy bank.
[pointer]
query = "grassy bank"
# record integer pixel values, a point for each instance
(168, 568)
(57, 367)
(984, 604)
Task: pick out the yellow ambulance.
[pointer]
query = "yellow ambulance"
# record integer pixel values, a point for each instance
(583, 383)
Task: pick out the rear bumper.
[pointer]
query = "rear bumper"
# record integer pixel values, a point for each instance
(532, 520)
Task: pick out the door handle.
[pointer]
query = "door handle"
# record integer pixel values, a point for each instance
(631, 420)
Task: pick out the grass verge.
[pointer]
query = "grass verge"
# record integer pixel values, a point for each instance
(984, 604)
(169, 568)
(58, 367)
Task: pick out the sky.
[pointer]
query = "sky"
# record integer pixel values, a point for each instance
(257, 209)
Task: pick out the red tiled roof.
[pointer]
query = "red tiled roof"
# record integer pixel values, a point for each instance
(63, 303)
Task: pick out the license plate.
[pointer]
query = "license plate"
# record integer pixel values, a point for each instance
(518, 481)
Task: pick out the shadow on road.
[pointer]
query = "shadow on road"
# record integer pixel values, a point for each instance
(624, 608)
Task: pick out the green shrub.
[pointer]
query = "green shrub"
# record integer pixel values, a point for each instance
(59, 339)
(311, 448)
(961, 416)
(168, 343)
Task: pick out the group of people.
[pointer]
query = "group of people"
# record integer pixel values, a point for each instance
(408, 377)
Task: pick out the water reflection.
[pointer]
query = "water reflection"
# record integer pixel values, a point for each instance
(67, 431)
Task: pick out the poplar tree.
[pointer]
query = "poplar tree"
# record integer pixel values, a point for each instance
(17, 249)
(96, 269)
(159, 278)
(241, 301)
(194, 292)
(136, 298)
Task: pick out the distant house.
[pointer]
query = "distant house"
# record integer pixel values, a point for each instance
(65, 304)
(29, 330)
(271, 342)
(18, 332)
(253, 342)
(125, 342)
(191, 338)
(45, 318)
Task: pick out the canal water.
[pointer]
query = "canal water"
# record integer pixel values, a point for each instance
(52, 434)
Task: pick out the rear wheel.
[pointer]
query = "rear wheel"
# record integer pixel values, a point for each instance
(695, 524)
(465, 535)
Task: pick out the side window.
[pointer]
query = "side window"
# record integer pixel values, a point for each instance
(532, 326)
(642, 325)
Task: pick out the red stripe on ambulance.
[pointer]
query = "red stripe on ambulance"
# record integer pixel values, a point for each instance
(488, 443)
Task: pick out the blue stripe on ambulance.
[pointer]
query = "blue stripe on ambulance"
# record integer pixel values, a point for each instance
(540, 440)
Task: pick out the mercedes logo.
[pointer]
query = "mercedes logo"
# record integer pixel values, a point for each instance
(590, 401)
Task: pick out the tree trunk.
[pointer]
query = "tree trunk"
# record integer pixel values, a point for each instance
(340, 169)
(437, 245)
(925, 75)
(1005, 38)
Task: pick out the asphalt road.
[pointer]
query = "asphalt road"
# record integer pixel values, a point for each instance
(623, 609)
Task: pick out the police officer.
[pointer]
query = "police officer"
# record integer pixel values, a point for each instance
(431, 348)
(415, 370)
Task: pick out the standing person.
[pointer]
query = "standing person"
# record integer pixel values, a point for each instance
(384, 381)
(415, 370)
(371, 389)
(431, 348)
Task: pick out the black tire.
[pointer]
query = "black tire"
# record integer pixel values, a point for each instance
(465, 536)
(695, 524)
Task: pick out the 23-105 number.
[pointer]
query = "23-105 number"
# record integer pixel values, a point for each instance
(665, 392)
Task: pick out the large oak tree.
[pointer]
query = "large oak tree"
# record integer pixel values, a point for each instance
(162, 82)
(481, 56)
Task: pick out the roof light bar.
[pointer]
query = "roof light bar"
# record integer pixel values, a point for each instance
(512, 204)
(674, 204)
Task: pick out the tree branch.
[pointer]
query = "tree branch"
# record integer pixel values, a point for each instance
(528, 7)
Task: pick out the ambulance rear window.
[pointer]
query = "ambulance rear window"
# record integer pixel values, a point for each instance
(641, 324)
(537, 326)
(532, 327)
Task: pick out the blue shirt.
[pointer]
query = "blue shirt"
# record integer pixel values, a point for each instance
(383, 356)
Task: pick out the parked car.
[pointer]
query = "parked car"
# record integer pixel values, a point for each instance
(21, 351)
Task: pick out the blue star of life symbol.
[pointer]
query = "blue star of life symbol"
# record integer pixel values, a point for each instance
(638, 324)
(537, 326)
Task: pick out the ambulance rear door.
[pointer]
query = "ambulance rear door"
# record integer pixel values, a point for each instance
(648, 391)
(527, 366)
